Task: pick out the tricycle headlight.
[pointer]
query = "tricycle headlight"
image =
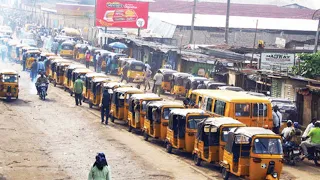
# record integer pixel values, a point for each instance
(275, 175)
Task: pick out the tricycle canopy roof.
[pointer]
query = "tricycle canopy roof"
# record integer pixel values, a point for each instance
(135, 62)
(252, 131)
(8, 71)
(128, 89)
(60, 60)
(84, 70)
(183, 75)
(82, 46)
(96, 75)
(101, 79)
(64, 63)
(145, 96)
(194, 78)
(165, 103)
(167, 71)
(71, 43)
(111, 85)
(185, 112)
(219, 121)
(74, 66)
(208, 83)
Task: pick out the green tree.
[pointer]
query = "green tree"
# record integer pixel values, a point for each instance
(309, 65)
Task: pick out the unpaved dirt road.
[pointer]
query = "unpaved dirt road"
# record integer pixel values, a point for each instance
(54, 139)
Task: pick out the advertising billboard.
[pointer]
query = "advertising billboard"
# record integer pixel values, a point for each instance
(277, 60)
(123, 14)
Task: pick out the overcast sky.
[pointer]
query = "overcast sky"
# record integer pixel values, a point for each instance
(312, 4)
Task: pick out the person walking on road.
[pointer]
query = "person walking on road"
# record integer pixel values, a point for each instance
(99, 63)
(95, 61)
(78, 88)
(158, 78)
(34, 69)
(24, 60)
(100, 169)
(87, 58)
(277, 119)
(125, 73)
(147, 77)
(105, 107)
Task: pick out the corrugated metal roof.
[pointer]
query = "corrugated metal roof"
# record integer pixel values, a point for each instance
(240, 22)
(214, 8)
(161, 28)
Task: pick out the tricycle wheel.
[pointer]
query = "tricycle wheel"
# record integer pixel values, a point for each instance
(54, 83)
(8, 98)
(225, 174)
(90, 104)
(112, 119)
(145, 136)
(129, 128)
(196, 160)
(169, 148)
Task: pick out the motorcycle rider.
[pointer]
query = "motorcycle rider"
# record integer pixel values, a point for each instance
(288, 132)
(309, 127)
(313, 141)
(42, 79)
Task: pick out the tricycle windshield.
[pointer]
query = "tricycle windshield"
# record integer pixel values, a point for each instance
(194, 120)
(267, 146)
(166, 112)
(137, 67)
(8, 78)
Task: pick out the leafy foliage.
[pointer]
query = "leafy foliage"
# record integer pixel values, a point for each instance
(309, 65)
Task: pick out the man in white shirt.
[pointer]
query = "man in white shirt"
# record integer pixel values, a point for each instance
(288, 132)
(158, 78)
(277, 119)
(309, 127)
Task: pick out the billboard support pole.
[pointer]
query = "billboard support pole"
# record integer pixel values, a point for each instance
(192, 21)
(139, 29)
(95, 12)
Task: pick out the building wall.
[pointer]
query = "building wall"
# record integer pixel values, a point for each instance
(236, 36)
(232, 78)
(289, 88)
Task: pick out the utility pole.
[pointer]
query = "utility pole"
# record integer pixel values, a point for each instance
(317, 38)
(226, 33)
(192, 21)
(316, 16)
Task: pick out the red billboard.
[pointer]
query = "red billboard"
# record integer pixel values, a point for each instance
(123, 14)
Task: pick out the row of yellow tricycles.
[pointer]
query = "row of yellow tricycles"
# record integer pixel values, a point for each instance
(252, 152)
(16, 50)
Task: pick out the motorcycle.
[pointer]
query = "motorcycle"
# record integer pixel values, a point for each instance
(291, 153)
(43, 91)
(314, 154)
